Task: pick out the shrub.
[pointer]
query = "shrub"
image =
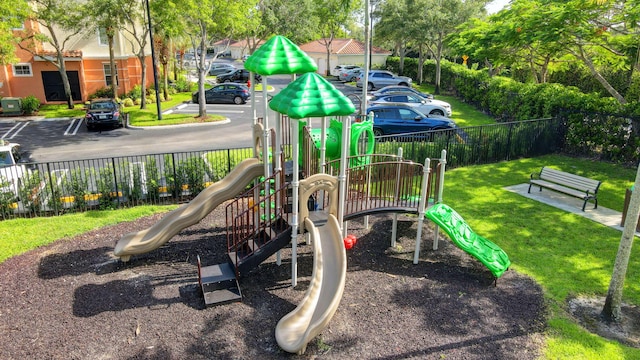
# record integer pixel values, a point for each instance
(152, 184)
(135, 93)
(7, 199)
(182, 85)
(127, 102)
(30, 104)
(30, 192)
(106, 92)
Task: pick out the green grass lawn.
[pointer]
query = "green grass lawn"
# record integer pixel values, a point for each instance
(143, 117)
(568, 255)
(462, 113)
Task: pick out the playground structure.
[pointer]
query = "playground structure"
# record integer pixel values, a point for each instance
(309, 181)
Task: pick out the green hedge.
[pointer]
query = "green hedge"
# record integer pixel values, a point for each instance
(598, 126)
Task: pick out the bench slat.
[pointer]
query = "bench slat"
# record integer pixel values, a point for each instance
(571, 180)
(570, 184)
(560, 188)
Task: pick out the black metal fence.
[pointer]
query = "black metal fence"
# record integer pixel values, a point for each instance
(53, 188)
(479, 144)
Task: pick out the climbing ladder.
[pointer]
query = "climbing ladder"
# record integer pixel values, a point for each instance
(257, 227)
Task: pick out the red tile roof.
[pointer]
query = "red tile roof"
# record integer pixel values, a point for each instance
(67, 54)
(340, 47)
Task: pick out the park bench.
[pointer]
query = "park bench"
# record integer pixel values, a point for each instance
(569, 184)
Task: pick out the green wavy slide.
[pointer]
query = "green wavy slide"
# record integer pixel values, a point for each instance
(490, 254)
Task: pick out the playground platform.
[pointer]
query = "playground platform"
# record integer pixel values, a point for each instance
(602, 215)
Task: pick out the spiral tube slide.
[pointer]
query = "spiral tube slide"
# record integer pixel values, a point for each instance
(311, 316)
(171, 224)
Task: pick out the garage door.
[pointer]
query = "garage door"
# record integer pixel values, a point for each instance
(53, 88)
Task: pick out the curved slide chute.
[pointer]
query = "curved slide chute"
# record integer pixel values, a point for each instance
(158, 234)
(316, 309)
(490, 254)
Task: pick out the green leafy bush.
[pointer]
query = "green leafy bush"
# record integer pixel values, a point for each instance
(30, 192)
(127, 102)
(135, 93)
(30, 105)
(106, 92)
(182, 85)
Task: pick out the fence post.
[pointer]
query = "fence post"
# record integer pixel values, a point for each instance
(115, 180)
(508, 157)
(53, 192)
(175, 177)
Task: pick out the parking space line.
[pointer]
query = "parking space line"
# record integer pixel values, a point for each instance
(15, 130)
(77, 122)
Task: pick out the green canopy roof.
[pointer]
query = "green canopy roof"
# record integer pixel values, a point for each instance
(311, 96)
(279, 56)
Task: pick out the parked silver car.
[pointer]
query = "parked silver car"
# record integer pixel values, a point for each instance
(339, 68)
(381, 78)
(350, 75)
(425, 106)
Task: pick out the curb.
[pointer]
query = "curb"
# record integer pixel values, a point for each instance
(126, 123)
(213, 123)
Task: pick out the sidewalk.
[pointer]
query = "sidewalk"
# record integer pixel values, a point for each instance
(7, 119)
(602, 215)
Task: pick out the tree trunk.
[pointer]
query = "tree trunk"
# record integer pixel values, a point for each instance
(613, 302)
(112, 65)
(592, 68)
(143, 80)
(438, 61)
(65, 80)
(328, 46)
(202, 105)
(402, 50)
(420, 63)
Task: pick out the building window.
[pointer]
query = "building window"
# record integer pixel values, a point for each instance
(22, 70)
(107, 74)
(102, 37)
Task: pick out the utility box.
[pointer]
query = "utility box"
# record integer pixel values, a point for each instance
(11, 106)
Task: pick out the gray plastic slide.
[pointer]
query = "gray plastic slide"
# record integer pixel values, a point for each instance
(158, 234)
(311, 316)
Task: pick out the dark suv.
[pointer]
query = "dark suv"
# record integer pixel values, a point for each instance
(239, 76)
(103, 113)
(402, 119)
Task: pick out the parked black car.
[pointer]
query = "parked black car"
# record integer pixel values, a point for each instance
(224, 93)
(239, 76)
(103, 113)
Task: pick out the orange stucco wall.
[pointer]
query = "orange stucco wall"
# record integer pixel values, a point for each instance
(90, 74)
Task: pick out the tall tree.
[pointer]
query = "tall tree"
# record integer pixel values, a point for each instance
(596, 33)
(137, 26)
(434, 20)
(208, 21)
(108, 16)
(393, 15)
(612, 309)
(14, 13)
(334, 14)
(64, 20)
(170, 34)
(265, 20)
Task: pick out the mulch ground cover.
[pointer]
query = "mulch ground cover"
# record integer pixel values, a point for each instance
(73, 299)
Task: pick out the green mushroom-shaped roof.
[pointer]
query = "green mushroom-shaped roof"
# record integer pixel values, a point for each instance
(279, 56)
(311, 96)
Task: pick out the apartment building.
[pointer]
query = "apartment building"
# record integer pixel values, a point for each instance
(86, 60)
